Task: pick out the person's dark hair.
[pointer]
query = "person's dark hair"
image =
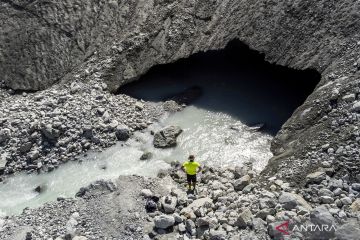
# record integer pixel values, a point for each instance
(191, 157)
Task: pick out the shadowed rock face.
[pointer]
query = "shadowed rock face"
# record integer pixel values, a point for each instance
(117, 41)
(43, 42)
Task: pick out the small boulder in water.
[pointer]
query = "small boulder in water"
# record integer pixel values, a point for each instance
(40, 189)
(146, 156)
(166, 137)
(122, 133)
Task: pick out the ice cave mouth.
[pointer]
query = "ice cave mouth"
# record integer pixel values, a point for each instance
(235, 80)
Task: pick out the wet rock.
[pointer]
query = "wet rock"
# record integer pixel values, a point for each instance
(164, 221)
(166, 137)
(146, 156)
(122, 133)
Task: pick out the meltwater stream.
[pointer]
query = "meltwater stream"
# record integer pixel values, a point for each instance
(206, 134)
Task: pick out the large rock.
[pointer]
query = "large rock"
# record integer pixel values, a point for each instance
(291, 200)
(4, 135)
(168, 203)
(321, 216)
(164, 221)
(242, 182)
(244, 219)
(355, 206)
(166, 137)
(348, 231)
(122, 133)
(316, 177)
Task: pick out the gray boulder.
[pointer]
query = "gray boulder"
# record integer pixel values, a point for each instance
(50, 133)
(164, 221)
(122, 133)
(244, 219)
(291, 200)
(166, 137)
(168, 203)
(316, 177)
(356, 106)
(4, 135)
(146, 156)
(242, 182)
(348, 231)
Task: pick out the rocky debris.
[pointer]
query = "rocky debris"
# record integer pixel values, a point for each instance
(39, 131)
(166, 137)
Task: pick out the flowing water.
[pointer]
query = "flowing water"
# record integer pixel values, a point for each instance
(216, 126)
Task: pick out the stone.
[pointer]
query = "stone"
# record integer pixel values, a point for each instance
(167, 137)
(316, 177)
(88, 132)
(79, 238)
(244, 218)
(4, 135)
(217, 235)
(146, 156)
(203, 221)
(291, 201)
(326, 199)
(242, 182)
(139, 106)
(346, 200)
(147, 193)
(50, 133)
(168, 203)
(122, 133)
(164, 221)
(355, 187)
(349, 97)
(320, 215)
(190, 227)
(356, 106)
(349, 230)
(25, 147)
(355, 206)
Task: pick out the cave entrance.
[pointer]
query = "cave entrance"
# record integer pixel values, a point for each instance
(235, 80)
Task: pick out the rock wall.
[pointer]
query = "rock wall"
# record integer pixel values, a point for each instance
(43, 42)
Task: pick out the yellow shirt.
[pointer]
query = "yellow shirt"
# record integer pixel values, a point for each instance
(191, 167)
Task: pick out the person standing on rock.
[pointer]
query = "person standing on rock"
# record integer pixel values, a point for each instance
(191, 168)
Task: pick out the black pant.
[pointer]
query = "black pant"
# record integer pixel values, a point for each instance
(191, 178)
